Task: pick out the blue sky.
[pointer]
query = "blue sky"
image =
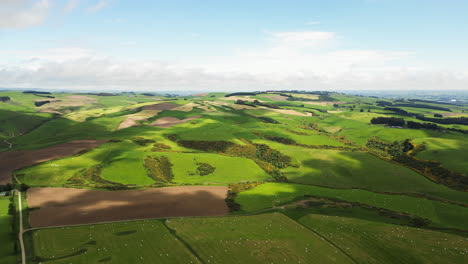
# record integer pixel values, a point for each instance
(234, 45)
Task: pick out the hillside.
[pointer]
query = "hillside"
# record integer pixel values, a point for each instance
(258, 177)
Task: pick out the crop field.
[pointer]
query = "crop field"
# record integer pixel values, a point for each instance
(276, 194)
(81, 206)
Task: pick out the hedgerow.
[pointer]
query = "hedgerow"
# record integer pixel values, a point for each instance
(402, 153)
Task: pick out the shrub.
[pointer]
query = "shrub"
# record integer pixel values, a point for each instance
(142, 141)
(205, 169)
(162, 146)
(392, 121)
(159, 168)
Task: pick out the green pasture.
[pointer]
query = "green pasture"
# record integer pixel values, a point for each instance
(374, 242)
(7, 253)
(452, 153)
(275, 194)
(359, 170)
(266, 238)
(19, 101)
(360, 131)
(61, 130)
(117, 159)
(228, 169)
(15, 123)
(125, 242)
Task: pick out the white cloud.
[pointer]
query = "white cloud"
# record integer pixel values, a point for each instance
(313, 23)
(98, 6)
(293, 60)
(23, 13)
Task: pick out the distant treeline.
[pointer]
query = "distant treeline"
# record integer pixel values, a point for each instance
(395, 121)
(414, 105)
(46, 96)
(4, 98)
(40, 103)
(444, 121)
(255, 103)
(424, 106)
(428, 101)
(35, 92)
(391, 121)
(102, 94)
(280, 92)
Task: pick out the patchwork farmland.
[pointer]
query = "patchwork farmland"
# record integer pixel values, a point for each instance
(261, 177)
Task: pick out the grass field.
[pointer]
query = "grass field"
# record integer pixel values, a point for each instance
(450, 152)
(360, 170)
(373, 242)
(273, 194)
(127, 242)
(7, 254)
(266, 238)
(360, 131)
(109, 156)
(227, 169)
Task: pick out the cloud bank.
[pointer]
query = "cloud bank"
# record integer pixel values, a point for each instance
(292, 60)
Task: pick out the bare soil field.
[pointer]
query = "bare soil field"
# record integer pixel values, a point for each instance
(130, 122)
(451, 114)
(186, 107)
(324, 103)
(287, 111)
(161, 106)
(172, 121)
(70, 206)
(201, 94)
(73, 100)
(276, 97)
(12, 160)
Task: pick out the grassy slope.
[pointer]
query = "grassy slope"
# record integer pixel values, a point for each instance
(267, 238)
(346, 169)
(7, 238)
(373, 242)
(273, 194)
(228, 169)
(57, 172)
(451, 152)
(128, 242)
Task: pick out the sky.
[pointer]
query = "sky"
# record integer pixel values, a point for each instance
(242, 45)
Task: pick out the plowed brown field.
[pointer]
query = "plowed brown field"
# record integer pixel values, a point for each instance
(12, 160)
(67, 206)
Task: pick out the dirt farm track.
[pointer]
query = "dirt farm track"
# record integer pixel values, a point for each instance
(68, 206)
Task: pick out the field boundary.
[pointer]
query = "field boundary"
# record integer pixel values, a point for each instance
(21, 230)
